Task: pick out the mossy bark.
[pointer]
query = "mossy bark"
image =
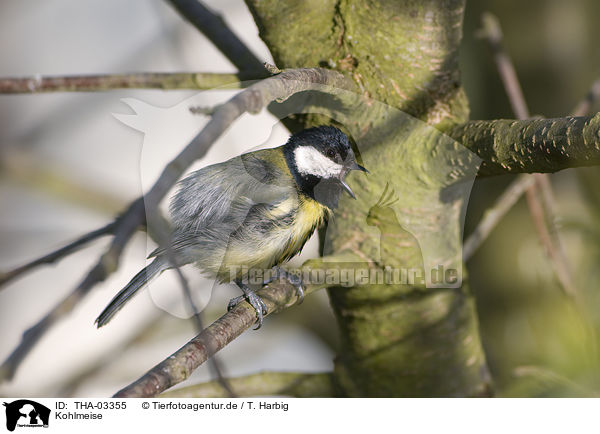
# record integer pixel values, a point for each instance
(397, 340)
(533, 145)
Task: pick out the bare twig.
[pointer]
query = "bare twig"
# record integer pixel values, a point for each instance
(58, 254)
(585, 106)
(125, 227)
(183, 362)
(277, 295)
(295, 384)
(492, 32)
(215, 29)
(493, 215)
(541, 207)
(214, 363)
(252, 100)
(95, 83)
(544, 230)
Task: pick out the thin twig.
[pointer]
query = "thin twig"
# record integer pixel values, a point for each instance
(542, 206)
(495, 214)
(203, 110)
(492, 32)
(585, 106)
(548, 232)
(125, 227)
(214, 362)
(58, 254)
(295, 384)
(145, 80)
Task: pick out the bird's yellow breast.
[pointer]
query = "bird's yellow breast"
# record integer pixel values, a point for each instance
(290, 225)
(310, 215)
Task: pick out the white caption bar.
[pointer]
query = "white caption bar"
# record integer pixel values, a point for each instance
(270, 415)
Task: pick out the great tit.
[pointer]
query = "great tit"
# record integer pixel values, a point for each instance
(254, 211)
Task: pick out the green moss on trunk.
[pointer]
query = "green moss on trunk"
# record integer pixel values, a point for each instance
(397, 340)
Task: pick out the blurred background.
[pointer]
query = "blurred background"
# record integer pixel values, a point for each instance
(70, 161)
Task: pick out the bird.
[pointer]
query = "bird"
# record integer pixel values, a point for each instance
(254, 211)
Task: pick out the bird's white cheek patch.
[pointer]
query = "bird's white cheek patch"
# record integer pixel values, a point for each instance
(309, 161)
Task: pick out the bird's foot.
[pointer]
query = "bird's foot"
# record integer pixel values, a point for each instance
(292, 278)
(255, 301)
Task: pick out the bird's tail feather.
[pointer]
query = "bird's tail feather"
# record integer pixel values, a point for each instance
(138, 282)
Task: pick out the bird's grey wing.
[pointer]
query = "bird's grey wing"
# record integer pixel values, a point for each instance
(217, 199)
(213, 192)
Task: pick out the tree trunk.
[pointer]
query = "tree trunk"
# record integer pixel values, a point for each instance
(397, 340)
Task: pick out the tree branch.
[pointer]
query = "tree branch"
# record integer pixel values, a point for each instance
(514, 191)
(233, 48)
(532, 145)
(550, 240)
(295, 384)
(178, 367)
(144, 80)
(528, 145)
(214, 28)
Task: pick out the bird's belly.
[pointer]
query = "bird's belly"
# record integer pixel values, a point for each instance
(262, 250)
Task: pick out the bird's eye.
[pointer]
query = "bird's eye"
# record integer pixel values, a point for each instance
(330, 153)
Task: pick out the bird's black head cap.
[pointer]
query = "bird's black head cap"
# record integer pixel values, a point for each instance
(319, 159)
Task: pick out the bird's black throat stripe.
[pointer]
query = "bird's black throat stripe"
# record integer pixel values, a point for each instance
(325, 191)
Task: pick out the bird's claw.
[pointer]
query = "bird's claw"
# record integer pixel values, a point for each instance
(255, 301)
(234, 302)
(296, 281)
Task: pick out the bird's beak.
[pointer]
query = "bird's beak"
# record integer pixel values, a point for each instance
(342, 178)
(347, 188)
(356, 166)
